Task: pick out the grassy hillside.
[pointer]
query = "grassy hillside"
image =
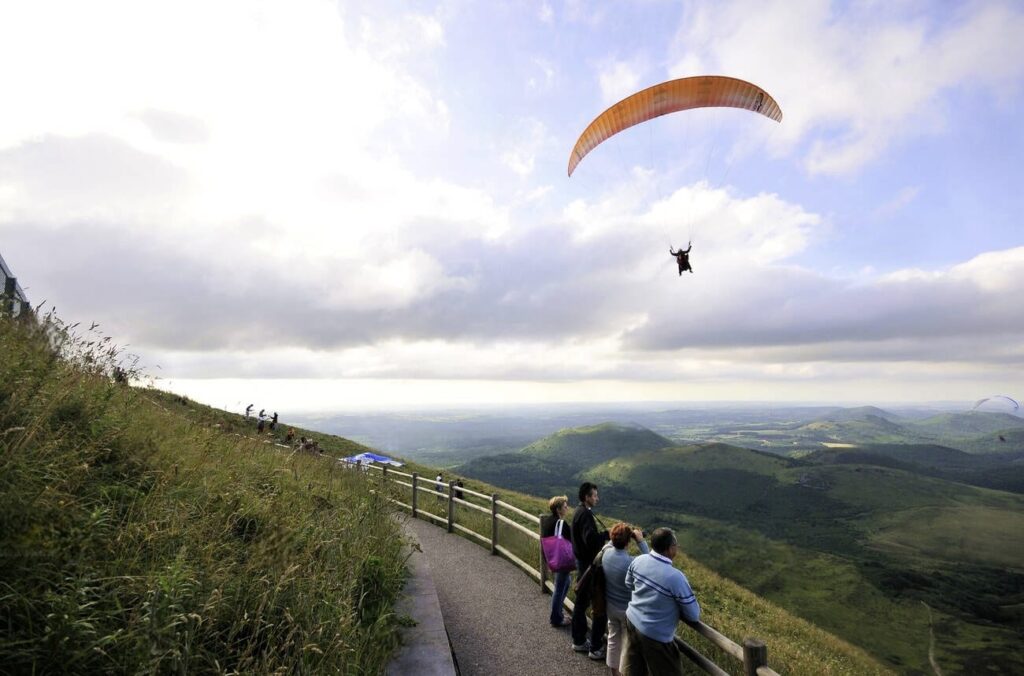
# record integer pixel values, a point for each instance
(857, 429)
(999, 442)
(882, 538)
(923, 455)
(138, 535)
(796, 646)
(545, 465)
(1000, 471)
(857, 540)
(582, 447)
(965, 425)
(858, 413)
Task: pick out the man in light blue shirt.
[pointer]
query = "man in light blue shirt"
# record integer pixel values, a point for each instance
(661, 596)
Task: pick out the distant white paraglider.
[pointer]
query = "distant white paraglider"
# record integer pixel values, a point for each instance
(997, 402)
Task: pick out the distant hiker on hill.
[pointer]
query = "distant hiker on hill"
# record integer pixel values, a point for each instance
(439, 485)
(683, 258)
(549, 527)
(290, 436)
(615, 562)
(263, 413)
(661, 598)
(458, 489)
(273, 422)
(248, 410)
(260, 423)
(586, 543)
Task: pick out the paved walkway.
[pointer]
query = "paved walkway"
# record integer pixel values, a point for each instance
(496, 617)
(425, 650)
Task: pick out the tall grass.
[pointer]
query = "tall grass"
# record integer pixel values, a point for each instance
(138, 538)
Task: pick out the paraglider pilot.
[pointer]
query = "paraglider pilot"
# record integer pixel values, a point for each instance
(683, 258)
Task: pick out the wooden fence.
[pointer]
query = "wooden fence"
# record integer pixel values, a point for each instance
(753, 654)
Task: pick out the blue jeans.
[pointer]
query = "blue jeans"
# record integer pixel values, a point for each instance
(562, 582)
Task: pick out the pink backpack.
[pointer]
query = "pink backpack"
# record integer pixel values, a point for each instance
(558, 551)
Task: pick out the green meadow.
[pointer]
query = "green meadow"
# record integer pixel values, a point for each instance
(879, 555)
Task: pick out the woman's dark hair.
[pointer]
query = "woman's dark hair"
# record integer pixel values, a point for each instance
(662, 539)
(585, 488)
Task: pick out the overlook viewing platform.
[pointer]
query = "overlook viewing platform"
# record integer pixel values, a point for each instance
(495, 618)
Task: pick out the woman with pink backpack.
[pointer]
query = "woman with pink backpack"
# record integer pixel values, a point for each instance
(556, 541)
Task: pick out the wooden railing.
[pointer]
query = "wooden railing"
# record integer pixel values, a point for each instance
(753, 654)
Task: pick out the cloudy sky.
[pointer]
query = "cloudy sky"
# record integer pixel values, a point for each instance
(324, 205)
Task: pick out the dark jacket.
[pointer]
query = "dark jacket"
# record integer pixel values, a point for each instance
(547, 527)
(586, 539)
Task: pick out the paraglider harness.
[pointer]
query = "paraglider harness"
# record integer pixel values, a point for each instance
(683, 258)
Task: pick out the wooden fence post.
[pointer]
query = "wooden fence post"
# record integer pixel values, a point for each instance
(384, 476)
(494, 523)
(543, 564)
(415, 479)
(755, 654)
(451, 505)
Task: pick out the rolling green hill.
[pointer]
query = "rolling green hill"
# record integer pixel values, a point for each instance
(583, 447)
(858, 429)
(796, 646)
(966, 425)
(907, 455)
(545, 465)
(857, 413)
(999, 471)
(998, 442)
(853, 539)
(887, 537)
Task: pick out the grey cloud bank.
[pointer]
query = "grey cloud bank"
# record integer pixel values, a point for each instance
(167, 296)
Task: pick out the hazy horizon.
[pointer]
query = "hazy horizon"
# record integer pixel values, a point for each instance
(222, 401)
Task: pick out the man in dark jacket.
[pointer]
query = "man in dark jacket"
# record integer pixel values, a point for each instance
(587, 541)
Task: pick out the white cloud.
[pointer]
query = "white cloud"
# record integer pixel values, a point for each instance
(969, 312)
(545, 13)
(618, 79)
(854, 79)
(276, 134)
(544, 77)
(904, 197)
(530, 139)
(762, 228)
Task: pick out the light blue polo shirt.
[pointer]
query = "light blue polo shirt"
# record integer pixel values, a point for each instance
(661, 597)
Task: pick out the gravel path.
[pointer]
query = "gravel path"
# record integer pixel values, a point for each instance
(495, 615)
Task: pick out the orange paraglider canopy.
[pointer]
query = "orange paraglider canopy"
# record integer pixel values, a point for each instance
(702, 91)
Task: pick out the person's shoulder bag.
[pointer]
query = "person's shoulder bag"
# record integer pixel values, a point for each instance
(558, 551)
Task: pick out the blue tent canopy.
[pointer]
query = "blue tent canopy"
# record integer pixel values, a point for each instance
(373, 457)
